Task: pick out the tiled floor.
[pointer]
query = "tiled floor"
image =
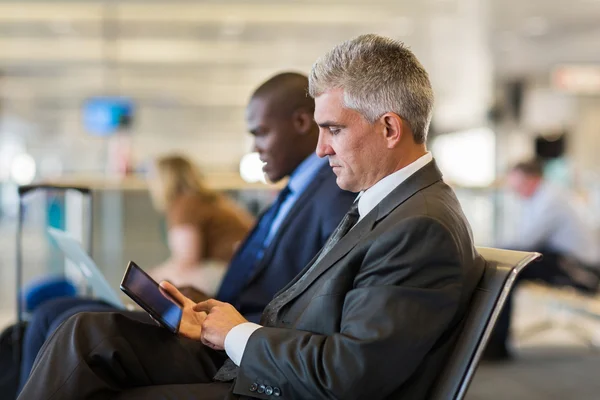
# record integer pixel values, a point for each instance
(550, 365)
(541, 373)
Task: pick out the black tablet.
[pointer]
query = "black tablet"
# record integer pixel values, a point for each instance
(144, 290)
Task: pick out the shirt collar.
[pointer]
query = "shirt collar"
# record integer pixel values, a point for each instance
(305, 172)
(368, 199)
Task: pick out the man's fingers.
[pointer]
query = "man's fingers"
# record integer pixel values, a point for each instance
(205, 341)
(175, 293)
(208, 339)
(207, 305)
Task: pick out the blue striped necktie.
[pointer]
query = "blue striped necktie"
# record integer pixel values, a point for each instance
(250, 253)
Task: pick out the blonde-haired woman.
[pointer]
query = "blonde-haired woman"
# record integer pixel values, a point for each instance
(203, 226)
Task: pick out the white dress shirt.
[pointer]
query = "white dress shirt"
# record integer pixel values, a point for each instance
(237, 338)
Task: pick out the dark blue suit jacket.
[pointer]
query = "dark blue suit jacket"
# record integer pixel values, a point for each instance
(312, 219)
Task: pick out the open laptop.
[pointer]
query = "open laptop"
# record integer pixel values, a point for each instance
(75, 252)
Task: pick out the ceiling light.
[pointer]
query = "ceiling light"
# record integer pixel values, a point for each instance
(251, 168)
(22, 169)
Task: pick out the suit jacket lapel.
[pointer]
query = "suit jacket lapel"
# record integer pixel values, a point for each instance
(344, 246)
(426, 176)
(300, 203)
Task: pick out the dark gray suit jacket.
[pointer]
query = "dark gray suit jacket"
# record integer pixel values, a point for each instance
(376, 318)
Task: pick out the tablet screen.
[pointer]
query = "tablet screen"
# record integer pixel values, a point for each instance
(147, 293)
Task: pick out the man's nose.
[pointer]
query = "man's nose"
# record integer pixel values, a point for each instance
(323, 146)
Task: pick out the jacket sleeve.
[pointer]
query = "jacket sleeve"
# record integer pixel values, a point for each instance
(405, 296)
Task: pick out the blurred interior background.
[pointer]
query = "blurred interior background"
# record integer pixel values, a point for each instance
(90, 91)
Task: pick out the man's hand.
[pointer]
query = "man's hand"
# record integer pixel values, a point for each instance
(191, 321)
(222, 318)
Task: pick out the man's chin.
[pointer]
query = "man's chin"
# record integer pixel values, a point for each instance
(342, 184)
(273, 178)
(348, 185)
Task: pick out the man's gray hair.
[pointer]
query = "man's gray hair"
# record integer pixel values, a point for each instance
(378, 75)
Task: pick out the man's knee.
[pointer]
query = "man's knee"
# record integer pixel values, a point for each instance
(92, 324)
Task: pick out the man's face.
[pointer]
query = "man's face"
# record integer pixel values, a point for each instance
(522, 184)
(273, 138)
(355, 148)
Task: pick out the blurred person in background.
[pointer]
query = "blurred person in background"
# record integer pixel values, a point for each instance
(204, 227)
(554, 225)
(288, 234)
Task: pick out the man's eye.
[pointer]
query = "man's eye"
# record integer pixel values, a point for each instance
(334, 130)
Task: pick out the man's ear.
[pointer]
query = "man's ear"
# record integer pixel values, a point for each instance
(302, 120)
(394, 128)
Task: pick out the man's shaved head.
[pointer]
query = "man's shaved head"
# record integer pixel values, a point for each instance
(287, 92)
(280, 116)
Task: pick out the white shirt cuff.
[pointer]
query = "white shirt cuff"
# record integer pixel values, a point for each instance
(236, 340)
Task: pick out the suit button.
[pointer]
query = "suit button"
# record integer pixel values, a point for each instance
(253, 387)
(261, 389)
(276, 392)
(268, 390)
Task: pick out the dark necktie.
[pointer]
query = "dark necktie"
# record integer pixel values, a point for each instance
(229, 370)
(250, 253)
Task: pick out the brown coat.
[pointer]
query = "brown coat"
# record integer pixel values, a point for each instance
(221, 223)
